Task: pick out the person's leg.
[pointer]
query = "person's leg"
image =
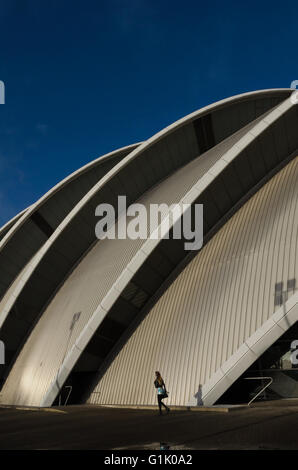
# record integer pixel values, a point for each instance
(159, 403)
(166, 407)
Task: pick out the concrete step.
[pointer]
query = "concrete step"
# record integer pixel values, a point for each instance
(214, 408)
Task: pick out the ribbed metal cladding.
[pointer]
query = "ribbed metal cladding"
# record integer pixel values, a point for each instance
(27, 236)
(220, 299)
(38, 362)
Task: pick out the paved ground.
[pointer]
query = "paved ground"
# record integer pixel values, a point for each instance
(264, 426)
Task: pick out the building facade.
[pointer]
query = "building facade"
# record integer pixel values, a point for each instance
(100, 316)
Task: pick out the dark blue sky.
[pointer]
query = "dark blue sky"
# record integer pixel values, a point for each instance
(84, 77)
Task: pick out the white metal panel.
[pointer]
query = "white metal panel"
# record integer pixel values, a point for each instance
(22, 239)
(205, 307)
(84, 290)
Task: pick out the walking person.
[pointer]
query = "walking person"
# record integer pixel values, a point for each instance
(161, 392)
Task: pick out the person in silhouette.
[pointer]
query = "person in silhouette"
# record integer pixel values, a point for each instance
(161, 391)
(199, 395)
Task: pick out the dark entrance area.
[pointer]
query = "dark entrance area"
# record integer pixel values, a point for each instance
(277, 363)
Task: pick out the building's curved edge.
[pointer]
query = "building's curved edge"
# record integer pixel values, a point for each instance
(7, 226)
(22, 218)
(185, 120)
(30, 210)
(249, 352)
(138, 150)
(150, 244)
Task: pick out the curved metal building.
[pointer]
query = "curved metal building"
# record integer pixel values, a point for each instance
(103, 315)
